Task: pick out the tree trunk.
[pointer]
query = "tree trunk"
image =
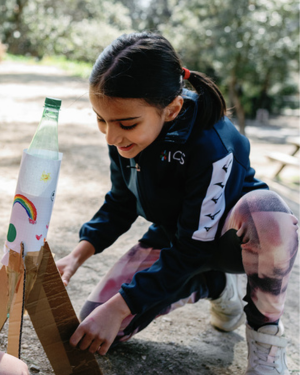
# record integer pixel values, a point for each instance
(237, 104)
(15, 20)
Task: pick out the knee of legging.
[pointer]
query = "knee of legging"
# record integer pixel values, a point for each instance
(262, 201)
(263, 216)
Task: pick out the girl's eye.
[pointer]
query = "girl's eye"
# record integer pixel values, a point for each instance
(100, 119)
(127, 127)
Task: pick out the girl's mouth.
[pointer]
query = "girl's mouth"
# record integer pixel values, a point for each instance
(126, 148)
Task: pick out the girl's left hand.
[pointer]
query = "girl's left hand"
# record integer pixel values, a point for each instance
(99, 329)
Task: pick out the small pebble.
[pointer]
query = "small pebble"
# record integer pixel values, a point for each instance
(34, 368)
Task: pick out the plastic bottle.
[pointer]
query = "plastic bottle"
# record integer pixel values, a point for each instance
(44, 143)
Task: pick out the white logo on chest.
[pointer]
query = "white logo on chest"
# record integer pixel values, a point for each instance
(169, 156)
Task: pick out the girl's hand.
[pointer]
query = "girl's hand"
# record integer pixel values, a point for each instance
(98, 330)
(68, 265)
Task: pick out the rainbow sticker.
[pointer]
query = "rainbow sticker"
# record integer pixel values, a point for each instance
(28, 206)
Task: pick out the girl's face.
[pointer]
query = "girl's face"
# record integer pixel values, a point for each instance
(130, 124)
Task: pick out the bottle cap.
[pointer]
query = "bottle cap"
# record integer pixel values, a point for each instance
(53, 103)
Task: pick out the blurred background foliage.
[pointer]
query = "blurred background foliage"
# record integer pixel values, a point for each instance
(249, 47)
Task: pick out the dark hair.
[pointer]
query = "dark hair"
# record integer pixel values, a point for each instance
(146, 66)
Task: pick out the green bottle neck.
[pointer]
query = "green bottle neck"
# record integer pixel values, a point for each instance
(50, 113)
(45, 141)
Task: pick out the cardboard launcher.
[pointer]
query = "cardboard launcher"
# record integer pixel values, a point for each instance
(29, 277)
(37, 287)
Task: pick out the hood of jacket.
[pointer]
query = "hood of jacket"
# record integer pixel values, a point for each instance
(180, 129)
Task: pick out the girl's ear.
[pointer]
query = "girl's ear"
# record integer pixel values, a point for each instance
(173, 109)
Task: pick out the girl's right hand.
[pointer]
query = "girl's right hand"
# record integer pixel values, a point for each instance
(68, 265)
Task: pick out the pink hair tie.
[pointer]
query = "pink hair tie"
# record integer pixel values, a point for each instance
(186, 73)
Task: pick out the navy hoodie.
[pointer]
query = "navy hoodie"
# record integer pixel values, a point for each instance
(185, 183)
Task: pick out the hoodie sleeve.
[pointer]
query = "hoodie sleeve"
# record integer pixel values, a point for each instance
(117, 213)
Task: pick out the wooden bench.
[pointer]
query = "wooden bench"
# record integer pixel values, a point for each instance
(286, 159)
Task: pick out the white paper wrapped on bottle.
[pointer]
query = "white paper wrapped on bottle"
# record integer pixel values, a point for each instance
(33, 203)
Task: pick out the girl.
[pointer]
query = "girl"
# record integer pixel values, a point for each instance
(178, 161)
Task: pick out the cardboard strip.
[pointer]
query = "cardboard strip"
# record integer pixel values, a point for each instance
(32, 263)
(4, 295)
(54, 320)
(48, 333)
(15, 320)
(15, 270)
(16, 276)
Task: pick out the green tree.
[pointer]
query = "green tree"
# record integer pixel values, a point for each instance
(78, 29)
(250, 47)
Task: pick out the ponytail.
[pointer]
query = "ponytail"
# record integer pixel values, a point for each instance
(146, 66)
(212, 106)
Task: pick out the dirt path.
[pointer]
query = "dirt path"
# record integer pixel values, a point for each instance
(183, 342)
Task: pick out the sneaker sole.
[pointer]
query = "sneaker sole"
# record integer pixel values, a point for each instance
(224, 328)
(229, 326)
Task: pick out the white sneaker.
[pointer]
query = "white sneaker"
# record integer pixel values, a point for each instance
(227, 312)
(266, 350)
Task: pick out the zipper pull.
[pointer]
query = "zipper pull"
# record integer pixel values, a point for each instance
(137, 167)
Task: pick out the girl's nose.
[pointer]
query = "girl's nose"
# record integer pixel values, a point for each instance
(113, 135)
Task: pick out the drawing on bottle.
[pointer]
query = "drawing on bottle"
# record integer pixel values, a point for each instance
(45, 177)
(28, 206)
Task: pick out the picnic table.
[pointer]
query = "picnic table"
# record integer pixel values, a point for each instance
(287, 159)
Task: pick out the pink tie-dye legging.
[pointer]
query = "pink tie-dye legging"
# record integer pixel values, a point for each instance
(259, 237)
